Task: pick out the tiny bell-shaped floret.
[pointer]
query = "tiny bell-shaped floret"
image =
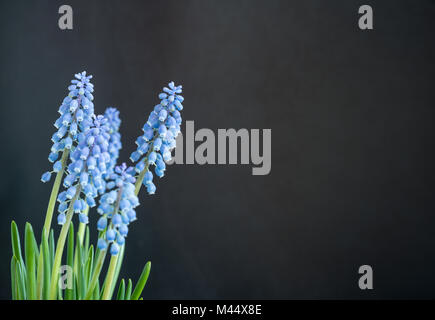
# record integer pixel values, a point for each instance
(102, 244)
(61, 218)
(46, 177)
(110, 235)
(102, 223)
(114, 249)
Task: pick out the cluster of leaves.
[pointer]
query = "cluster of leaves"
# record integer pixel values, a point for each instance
(31, 275)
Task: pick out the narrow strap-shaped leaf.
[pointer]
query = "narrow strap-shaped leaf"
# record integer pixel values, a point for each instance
(88, 266)
(22, 295)
(14, 283)
(40, 276)
(70, 259)
(128, 291)
(118, 268)
(86, 247)
(29, 249)
(97, 291)
(75, 294)
(52, 247)
(47, 267)
(16, 246)
(81, 274)
(141, 282)
(59, 293)
(101, 255)
(121, 291)
(35, 246)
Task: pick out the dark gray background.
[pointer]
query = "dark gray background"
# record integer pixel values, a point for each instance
(351, 114)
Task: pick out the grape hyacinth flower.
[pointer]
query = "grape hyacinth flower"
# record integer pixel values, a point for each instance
(114, 122)
(89, 161)
(117, 209)
(76, 113)
(154, 147)
(89, 147)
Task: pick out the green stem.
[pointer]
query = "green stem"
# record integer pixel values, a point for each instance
(54, 192)
(109, 280)
(60, 246)
(96, 274)
(139, 180)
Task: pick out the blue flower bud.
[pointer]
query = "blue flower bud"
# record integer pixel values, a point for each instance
(70, 192)
(90, 202)
(143, 148)
(135, 156)
(102, 223)
(114, 249)
(157, 144)
(110, 235)
(116, 220)
(53, 156)
(148, 178)
(83, 218)
(77, 206)
(61, 218)
(162, 115)
(131, 215)
(162, 130)
(160, 164)
(160, 173)
(84, 177)
(139, 166)
(151, 188)
(120, 239)
(123, 230)
(57, 166)
(102, 244)
(46, 177)
(152, 158)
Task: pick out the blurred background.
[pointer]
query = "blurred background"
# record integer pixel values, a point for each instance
(351, 113)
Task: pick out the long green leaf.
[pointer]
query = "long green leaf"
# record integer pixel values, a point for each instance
(97, 291)
(128, 291)
(22, 295)
(69, 293)
(30, 254)
(141, 282)
(88, 265)
(16, 246)
(121, 291)
(40, 276)
(14, 283)
(90, 294)
(47, 268)
(118, 268)
(52, 247)
(81, 274)
(86, 247)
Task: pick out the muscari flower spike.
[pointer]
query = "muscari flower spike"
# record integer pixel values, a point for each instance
(76, 113)
(89, 162)
(155, 145)
(117, 209)
(114, 122)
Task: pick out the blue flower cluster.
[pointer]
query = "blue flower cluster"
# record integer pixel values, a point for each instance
(76, 113)
(114, 122)
(155, 145)
(117, 209)
(89, 162)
